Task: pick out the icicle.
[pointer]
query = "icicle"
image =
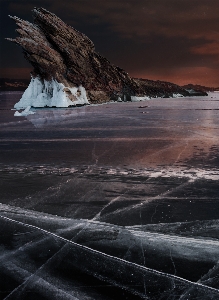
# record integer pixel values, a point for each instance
(51, 93)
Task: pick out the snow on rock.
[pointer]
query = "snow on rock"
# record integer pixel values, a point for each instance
(136, 99)
(177, 95)
(51, 94)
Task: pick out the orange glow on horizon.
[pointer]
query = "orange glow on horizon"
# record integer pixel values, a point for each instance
(194, 75)
(15, 73)
(197, 75)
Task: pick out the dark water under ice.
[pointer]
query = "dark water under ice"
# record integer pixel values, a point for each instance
(117, 201)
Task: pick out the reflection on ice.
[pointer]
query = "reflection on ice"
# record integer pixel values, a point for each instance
(53, 117)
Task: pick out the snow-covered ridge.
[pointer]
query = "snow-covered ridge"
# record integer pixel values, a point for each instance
(43, 93)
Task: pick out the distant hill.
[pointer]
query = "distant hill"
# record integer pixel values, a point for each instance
(160, 88)
(200, 88)
(7, 84)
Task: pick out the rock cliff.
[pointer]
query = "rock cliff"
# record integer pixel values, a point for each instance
(61, 53)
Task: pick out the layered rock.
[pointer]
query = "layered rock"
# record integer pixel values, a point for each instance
(66, 59)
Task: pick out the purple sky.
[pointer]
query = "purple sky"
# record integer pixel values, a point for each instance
(171, 40)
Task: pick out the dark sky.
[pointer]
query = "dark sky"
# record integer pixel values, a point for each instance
(172, 40)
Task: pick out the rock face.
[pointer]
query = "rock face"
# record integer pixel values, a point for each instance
(61, 53)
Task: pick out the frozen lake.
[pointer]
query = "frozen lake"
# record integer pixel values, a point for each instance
(119, 200)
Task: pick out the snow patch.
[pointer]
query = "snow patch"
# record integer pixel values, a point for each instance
(52, 94)
(136, 99)
(177, 95)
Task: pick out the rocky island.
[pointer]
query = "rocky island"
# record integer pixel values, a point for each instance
(67, 71)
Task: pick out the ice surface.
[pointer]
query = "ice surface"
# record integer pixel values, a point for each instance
(65, 252)
(102, 201)
(52, 94)
(24, 113)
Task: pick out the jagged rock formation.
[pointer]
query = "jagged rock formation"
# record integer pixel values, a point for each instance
(61, 53)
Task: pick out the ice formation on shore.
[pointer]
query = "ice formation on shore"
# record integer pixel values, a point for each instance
(51, 94)
(24, 113)
(177, 95)
(136, 99)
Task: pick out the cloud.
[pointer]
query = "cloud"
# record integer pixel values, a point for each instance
(140, 18)
(208, 48)
(195, 18)
(22, 8)
(137, 19)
